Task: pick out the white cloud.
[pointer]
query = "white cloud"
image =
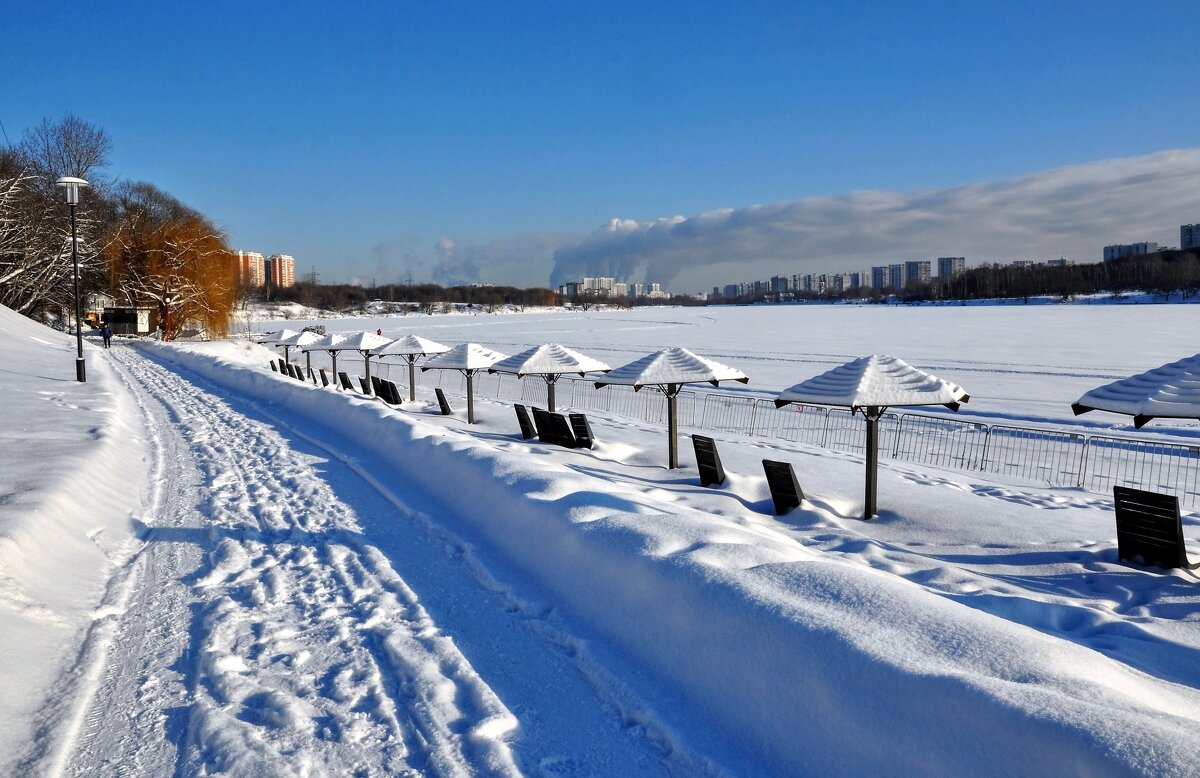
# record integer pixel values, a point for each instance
(1072, 211)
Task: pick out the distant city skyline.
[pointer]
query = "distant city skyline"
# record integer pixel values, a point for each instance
(682, 144)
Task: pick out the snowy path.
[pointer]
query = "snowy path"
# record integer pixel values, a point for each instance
(273, 628)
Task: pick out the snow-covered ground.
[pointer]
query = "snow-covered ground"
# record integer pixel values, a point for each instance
(210, 568)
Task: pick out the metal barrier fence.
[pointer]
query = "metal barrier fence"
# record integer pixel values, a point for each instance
(1037, 455)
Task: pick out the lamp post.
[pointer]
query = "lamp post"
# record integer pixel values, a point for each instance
(72, 185)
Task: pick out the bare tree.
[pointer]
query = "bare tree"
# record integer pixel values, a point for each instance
(68, 147)
(35, 243)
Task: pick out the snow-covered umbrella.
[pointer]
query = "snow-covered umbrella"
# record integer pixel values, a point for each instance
(364, 343)
(469, 358)
(275, 339)
(331, 343)
(669, 370)
(411, 348)
(550, 362)
(272, 338)
(871, 385)
(1171, 391)
(300, 340)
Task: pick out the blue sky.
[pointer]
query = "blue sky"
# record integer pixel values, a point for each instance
(357, 136)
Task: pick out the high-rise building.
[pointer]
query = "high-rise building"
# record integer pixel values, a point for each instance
(1122, 250)
(896, 276)
(597, 287)
(879, 277)
(948, 267)
(1189, 236)
(917, 272)
(282, 269)
(251, 268)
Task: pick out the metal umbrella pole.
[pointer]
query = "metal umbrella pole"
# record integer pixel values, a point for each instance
(872, 415)
(470, 396)
(672, 392)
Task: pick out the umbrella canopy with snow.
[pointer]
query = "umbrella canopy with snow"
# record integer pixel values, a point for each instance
(872, 385)
(1168, 392)
(331, 343)
(300, 340)
(469, 358)
(364, 343)
(549, 361)
(669, 370)
(274, 337)
(411, 348)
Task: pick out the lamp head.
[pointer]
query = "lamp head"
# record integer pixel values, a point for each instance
(72, 185)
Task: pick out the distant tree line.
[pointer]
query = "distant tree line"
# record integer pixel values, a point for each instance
(1164, 273)
(347, 297)
(137, 244)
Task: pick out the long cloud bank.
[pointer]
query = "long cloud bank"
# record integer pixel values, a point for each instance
(1072, 211)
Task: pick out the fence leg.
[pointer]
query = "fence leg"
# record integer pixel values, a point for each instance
(899, 429)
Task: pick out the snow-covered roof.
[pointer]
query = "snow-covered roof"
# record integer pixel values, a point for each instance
(410, 345)
(1170, 391)
(364, 341)
(672, 366)
(465, 356)
(331, 342)
(875, 381)
(276, 336)
(299, 339)
(549, 359)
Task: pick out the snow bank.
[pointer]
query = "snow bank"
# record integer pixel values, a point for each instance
(72, 468)
(812, 662)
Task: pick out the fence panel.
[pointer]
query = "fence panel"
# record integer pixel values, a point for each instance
(796, 423)
(1150, 465)
(533, 392)
(846, 431)
(934, 440)
(1045, 456)
(728, 413)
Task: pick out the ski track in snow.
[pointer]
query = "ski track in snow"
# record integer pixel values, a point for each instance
(266, 636)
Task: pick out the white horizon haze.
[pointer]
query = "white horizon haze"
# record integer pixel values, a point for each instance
(1072, 211)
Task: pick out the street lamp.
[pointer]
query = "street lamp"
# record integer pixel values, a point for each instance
(72, 185)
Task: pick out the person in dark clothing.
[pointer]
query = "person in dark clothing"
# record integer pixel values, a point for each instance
(106, 333)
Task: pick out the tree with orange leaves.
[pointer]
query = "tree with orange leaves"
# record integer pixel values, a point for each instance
(166, 255)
